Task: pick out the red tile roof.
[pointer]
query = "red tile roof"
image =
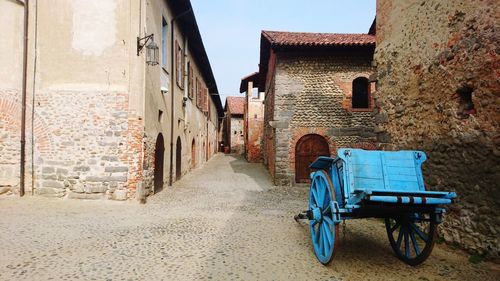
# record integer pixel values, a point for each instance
(278, 38)
(235, 105)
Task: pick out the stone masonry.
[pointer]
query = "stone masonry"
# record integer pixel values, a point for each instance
(438, 90)
(90, 151)
(309, 96)
(92, 120)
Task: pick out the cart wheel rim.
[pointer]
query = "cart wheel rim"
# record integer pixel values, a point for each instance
(412, 237)
(323, 229)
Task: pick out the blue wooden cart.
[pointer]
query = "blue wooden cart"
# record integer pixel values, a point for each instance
(381, 184)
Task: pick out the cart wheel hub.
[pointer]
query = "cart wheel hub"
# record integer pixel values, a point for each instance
(317, 214)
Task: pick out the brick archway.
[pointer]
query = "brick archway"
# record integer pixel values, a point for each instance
(302, 131)
(11, 112)
(308, 148)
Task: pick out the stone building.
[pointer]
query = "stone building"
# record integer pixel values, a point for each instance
(233, 125)
(101, 118)
(253, 117)
(438, 91)
(317, 98)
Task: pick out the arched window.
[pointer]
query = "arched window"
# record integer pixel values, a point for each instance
(360, 93)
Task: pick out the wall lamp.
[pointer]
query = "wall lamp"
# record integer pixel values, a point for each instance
(151, 49)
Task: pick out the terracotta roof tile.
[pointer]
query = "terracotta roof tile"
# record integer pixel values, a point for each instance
(278, 38)
(236, 105)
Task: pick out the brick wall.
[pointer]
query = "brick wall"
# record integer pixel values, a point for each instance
(255, 128)
(309, 97)
(10, 136)
(428, 54)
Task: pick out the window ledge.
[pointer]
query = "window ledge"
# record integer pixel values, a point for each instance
(361, 109)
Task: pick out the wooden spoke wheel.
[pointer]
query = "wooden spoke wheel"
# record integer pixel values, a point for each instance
(412, 237)
(324, 231)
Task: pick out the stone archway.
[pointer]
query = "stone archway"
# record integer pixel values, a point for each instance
(308, 148)
(158, 169)
(178, 159)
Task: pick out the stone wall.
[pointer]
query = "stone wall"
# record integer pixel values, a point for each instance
(91, 149)
(237, 137)
(438, 91)
(310, 95)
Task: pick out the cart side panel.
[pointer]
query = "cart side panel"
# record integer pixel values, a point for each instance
(383, 170)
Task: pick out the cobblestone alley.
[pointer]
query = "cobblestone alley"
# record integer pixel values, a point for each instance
(224, 221)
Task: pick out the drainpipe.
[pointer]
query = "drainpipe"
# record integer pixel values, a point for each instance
(206, 147)
(23, 107)
(172, 50)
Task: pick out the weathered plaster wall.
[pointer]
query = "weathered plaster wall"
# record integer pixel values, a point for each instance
(255, 127)
(236, 131)
(81, 98)
(190, 122)
(309, 94)
(94, 102)
(427, 52)
(11, 23)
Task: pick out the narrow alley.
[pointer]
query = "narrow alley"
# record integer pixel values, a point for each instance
(224, 221)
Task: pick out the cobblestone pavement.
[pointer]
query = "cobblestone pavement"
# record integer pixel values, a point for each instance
(221, 222)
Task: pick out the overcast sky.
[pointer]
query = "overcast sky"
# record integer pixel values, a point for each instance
(231, 29)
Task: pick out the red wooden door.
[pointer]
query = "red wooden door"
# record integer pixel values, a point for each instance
(308, 148)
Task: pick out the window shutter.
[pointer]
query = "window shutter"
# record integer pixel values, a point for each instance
(190, 81)
(179, 68)
(205, 99)
(198, 93)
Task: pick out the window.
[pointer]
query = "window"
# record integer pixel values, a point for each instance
(466, 105)
(198, 93)
(179, 65)
(190, 80)
(360, 93)
(164, 34)
(209, 109)
(205, 99)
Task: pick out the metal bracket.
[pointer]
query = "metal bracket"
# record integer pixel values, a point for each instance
(145, 39)
(334, 206)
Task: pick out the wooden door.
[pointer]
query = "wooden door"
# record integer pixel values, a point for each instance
(178, 159)
(193, 154)
(308, 148)
(158, 169)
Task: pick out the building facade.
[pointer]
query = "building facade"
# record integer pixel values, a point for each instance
(253, 117)
(234, 125)
(103, 120)
(438, 91)
(318, 98)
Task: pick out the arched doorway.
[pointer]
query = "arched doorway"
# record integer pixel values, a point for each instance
(308, 148)
(178, 159)
(193, 154)
(158, 169)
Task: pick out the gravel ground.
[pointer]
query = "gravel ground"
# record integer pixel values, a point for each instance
(224, 221)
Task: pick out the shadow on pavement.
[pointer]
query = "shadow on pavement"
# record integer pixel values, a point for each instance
(255, 171)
